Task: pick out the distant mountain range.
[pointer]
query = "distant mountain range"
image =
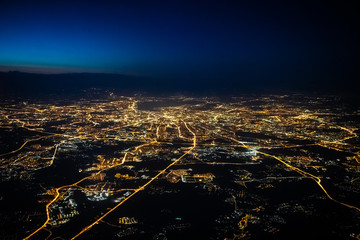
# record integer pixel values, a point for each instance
(15, 83)
(21, 84)
(32, 84)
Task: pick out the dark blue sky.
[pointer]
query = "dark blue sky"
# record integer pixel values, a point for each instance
(248, 40)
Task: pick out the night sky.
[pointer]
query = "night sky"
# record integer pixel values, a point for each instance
(234, 41)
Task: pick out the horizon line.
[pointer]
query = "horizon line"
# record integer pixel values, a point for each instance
(62, 70)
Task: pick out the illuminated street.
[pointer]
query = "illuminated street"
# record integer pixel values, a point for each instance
(146, 168)
(179, 120)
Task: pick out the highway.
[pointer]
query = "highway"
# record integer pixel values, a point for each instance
(302, 172)
(87, 228)
(67, 187)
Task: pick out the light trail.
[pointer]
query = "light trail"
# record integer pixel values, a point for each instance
(140, 188)
(291, 146)
(179, 130)
(22, 146)
(47, 214)
(103, 216)
(74, 184)
(32, 120)
(157, 131)
(220, 163)
(53, 157)
(306, 174)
